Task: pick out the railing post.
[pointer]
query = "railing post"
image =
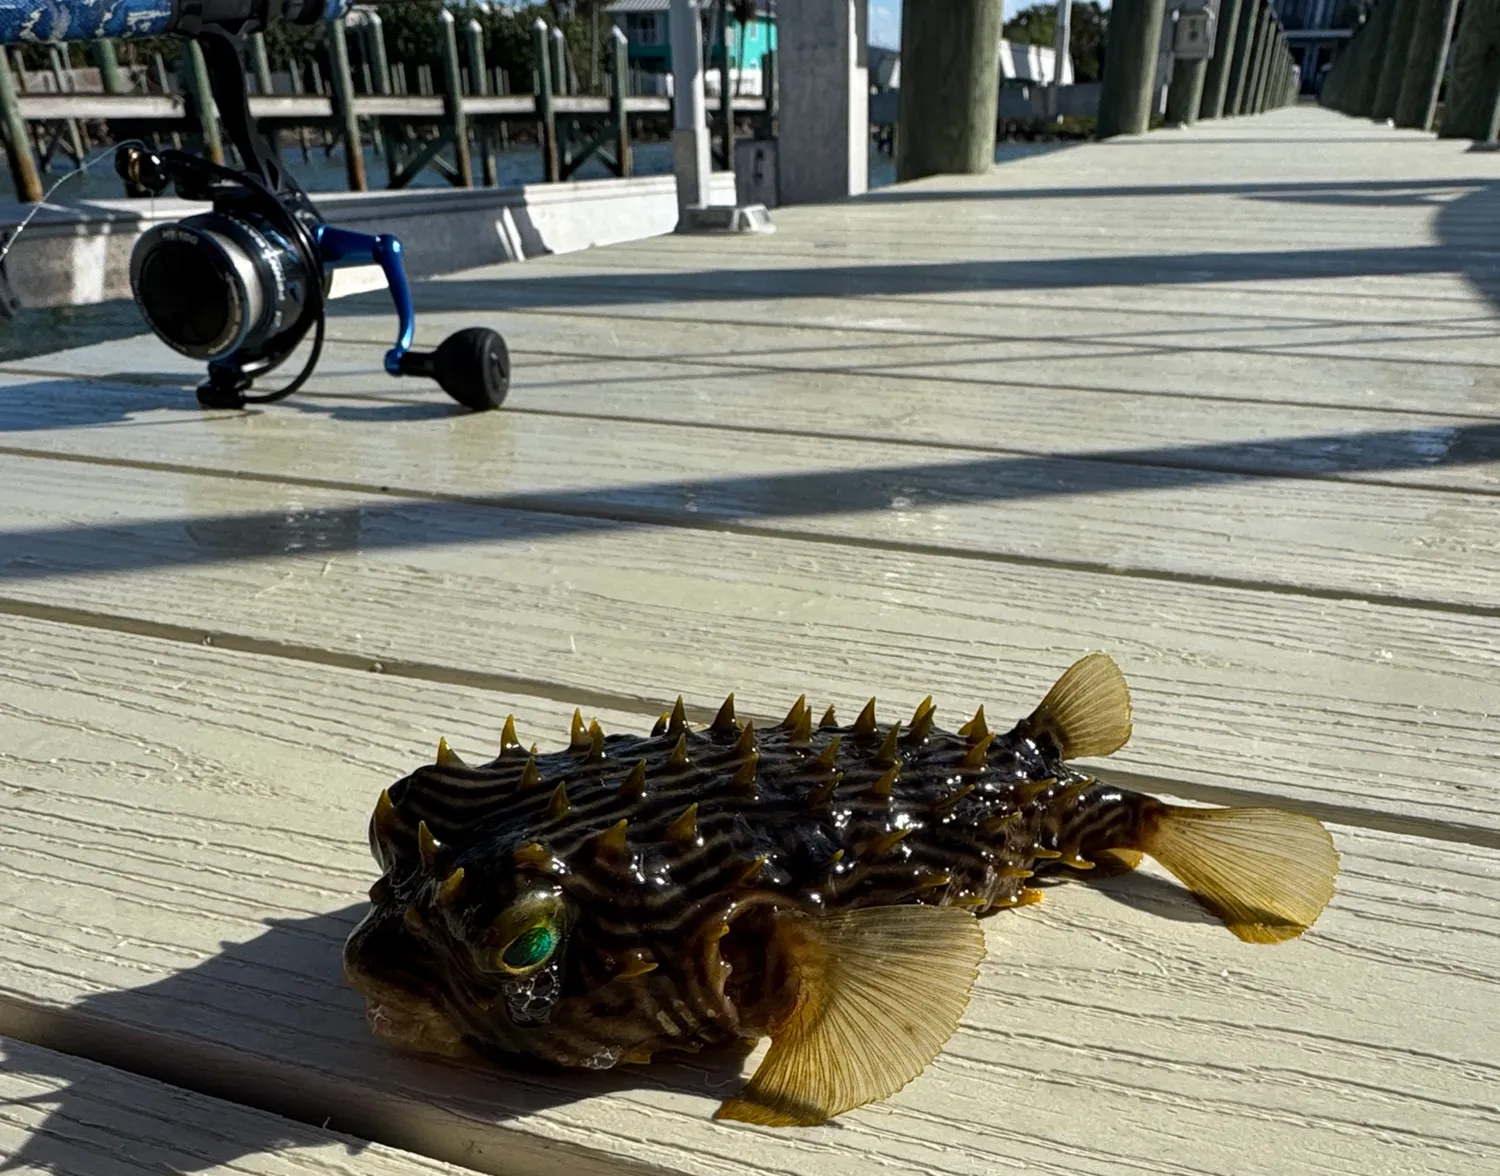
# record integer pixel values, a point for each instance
(551, 157)
(559, 45)
(1216, 77)
(343, 95)
(619, 90)
(17, 137)
(1129, 68)
(1432, 30)
(481, 82)
(454, 99)
(203, 102)
(109, 68)
(1392, 63)
(1474, 85)
(260, 63)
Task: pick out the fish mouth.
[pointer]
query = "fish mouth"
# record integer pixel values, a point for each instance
(415, 1026)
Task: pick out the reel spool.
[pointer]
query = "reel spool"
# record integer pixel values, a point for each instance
(242, 285)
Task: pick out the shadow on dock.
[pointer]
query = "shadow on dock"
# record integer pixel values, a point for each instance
(290, 1013)
(1467, 211)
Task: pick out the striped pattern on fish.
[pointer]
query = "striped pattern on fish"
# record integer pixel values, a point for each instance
(630, 895)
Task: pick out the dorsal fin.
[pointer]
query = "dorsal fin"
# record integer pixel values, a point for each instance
(853, 1035)
(1087, 711)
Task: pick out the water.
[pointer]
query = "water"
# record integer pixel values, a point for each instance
(38, 331)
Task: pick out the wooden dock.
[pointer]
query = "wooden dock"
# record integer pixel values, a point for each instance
(1223, 402)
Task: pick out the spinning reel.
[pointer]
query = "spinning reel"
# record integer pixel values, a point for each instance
(241, 286)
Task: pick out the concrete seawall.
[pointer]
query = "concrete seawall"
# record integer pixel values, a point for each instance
(76, 255)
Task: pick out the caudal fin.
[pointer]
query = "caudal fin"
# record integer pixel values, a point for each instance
(1267, 873)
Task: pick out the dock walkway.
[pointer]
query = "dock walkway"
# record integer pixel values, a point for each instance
(1223, 403)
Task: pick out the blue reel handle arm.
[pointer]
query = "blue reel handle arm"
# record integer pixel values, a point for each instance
(340, 247)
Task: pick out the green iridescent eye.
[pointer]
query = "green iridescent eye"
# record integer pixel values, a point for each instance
(529, 948)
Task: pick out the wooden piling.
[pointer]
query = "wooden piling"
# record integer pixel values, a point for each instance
(1393, 61)
(201, 93)
(453, 100)
(950, 86)
(1431, 32)
(546, 117)
(260, 64)
(380, 67)
(726, 92)
(1216, 78)
(619, 90)
(1129, 68)
(343, 101)
(28, 182)
(1372, 54)
(1244, 46)
(1474, 85)
(1257, 55)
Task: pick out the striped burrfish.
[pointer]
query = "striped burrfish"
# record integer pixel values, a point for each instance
(814, 883)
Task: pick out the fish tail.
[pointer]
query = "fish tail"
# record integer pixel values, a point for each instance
(1265, 872)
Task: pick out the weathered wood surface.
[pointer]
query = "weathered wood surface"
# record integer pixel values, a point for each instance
(63, 1116)
(1115, 1029)
(1235, 426)
(1328, 704)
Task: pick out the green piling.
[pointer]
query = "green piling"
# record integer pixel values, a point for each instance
(17, 137)
(1244, 51)
(1129, 68)
(950, 87)
(1392, 62)
(1474, 86)
(343, 98)
(453, 100)
(202, 96)
(1432, 31)
(546, 116)
(619, 90)
(1216, 79)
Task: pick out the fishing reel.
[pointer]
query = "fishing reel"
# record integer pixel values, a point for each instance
(242, 285)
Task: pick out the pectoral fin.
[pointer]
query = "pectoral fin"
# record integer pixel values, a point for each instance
(880, 991)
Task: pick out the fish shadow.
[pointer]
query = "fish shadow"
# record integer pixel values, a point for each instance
(1152, 895)
(269, 1025)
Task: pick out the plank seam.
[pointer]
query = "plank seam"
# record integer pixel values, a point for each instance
(643, 516)
(1374, 819)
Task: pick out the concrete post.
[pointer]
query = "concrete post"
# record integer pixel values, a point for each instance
(1392, 62)
(1216, 79)
(824, 146)
(1432, 30)
(692, 161)
(1244, 51)
(1129, 68)
(1474, 87)
(1061, 44)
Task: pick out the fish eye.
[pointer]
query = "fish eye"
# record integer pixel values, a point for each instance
(530, 949)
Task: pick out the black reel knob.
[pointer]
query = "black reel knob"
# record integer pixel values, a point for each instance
(472, 366)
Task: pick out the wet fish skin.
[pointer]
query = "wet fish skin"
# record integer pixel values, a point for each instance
(699, 887)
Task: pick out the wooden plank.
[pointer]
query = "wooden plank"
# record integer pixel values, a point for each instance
(1343, 539)
(64, 1116)
(1239, 434)
(1338, 706)
(185, 853)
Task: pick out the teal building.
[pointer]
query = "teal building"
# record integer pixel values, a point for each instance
(645, 25)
